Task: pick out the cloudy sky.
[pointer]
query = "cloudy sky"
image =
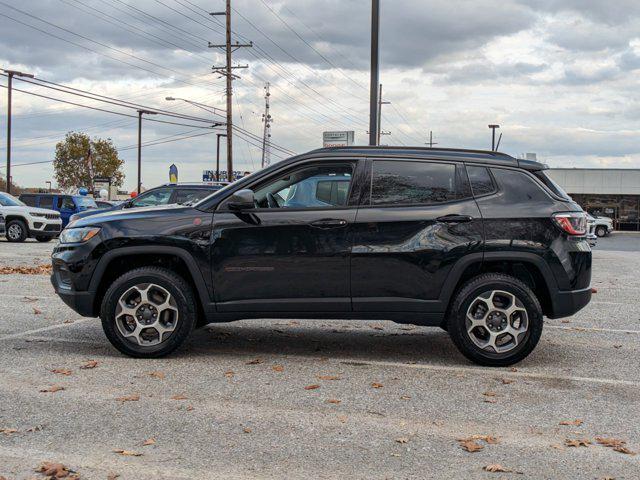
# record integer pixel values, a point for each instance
(559, 76)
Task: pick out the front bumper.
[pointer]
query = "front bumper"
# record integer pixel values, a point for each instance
(44, 228)
(80, 302)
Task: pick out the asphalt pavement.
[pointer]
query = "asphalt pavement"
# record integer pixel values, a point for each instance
(319, 399)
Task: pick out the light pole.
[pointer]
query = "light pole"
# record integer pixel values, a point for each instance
(10, 75)
(218, 156)
(375, 73)
(493, 136)
(140, 113)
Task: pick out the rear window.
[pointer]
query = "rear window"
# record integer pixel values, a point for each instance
(519, 186)
(29, 200)
(551, 184)
(46, 202)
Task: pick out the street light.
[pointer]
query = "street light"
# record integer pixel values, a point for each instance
(140, 113)
(10, 75)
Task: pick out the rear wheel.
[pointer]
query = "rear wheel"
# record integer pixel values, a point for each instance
(16, 231)
(496, 320)
(43, 238)
(148, 312)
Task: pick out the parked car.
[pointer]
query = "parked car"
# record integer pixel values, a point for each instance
(102, 204)
(478, 243)
(603, 225)
(67, 205)
(2, 225)
(23, 221)
(163, 195)
(592, 238)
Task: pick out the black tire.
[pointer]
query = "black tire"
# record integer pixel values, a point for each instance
(185, 302)
(43, 238)
(457, 324)
(601, 231)
(16, 231)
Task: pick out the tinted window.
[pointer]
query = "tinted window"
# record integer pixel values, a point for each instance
(398, 182)
(551, 185)
(481, 181)
(159, 196)
(519, 186)
(29, 200)
(333, 192)
(191, 195)
(66, 203)
(46, 202)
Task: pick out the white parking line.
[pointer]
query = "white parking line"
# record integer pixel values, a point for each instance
(44, 329)
(592, 329)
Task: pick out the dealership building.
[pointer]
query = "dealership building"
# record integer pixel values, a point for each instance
(609, 192)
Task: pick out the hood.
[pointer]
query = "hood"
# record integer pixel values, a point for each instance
(23, 208)
(123, 214)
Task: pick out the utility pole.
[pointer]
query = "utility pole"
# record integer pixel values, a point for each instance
(140, 113)
(266, 135)
(493, 136)
(227, 71)
(218, 135)
(10, 75)
(375, 73)
(431, 142)
(380, 103)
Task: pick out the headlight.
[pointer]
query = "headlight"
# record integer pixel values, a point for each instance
(78, 235)
(36, 214)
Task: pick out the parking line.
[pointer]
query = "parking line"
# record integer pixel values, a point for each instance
(591, 329)
(44, 329)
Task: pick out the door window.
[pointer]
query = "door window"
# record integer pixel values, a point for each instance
(413, 183)
(66, 203)
(46, 202)
(322, 186)
(191, 195)
(160, 196)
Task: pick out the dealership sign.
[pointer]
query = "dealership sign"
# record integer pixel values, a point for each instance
(338, 139)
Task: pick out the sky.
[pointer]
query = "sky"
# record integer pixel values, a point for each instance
(559, 76)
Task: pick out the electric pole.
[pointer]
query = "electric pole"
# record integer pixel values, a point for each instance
(227, 71)
(375, 72)
(380, 103)
(140, 113)
(493, 136)
(266, 136)
(10, 75)
(431, 142)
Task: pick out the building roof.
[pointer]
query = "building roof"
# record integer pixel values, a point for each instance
(605, 181)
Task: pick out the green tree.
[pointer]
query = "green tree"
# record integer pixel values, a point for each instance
(73, 168)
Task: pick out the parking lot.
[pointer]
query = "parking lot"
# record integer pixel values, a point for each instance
(320, 399)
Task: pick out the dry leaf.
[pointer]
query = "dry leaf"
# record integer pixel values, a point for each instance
(29, 299)
(189, 408)
(594, 290)
(579, 442)
(54, 470)
(89, 365)
(127, 453)
(179, 397)
(62, 371)
(507, 381)
(8, 431)
(377, 385)
(470, 445)
(150, 441)
(342, 418)
(52, 389)
(574, 423)
(616, 444)
(334, 401)
(328, 377)
(490, 439)
(229, 374)
(257, 361)
(36, 311)
(128, 398)
(490, 394)
(278, 368)
(402, 440)
(36, 270)
(496, 468)
(405, 397)
(247, 430)
(158, 375)
(113, 476)
(624, 450)
(311, 387)
(490, 400)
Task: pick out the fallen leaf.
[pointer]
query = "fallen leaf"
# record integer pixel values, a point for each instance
(257, 361)
(37, 428)
(229, 374)
(617, 346)
(44, 269)
(328, 377)
(470, 445)
(8, 431)
(616, 444)
(29, 299)
(405, 397)
(342, 418)
(128, 398)
(334, 401)
(507, 381)
(490, 400)
(490, 394)
(150, 441)
(158, 375)
(52, 389)
(246, 430)
(579, 442)
(127, 453)
(311, 387)
(490, 439)
(278, 368)
(189, 408)
(89, 365)
(68, 321)
(574, 423)
(113, 476)
(179, 397)
(496, 468)
(62, 371)
(624, 450)
(377, 385)
(594, 290)
(402, 440)
(36, 311)
(54, 470)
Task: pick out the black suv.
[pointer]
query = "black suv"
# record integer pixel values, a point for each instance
(478, 243)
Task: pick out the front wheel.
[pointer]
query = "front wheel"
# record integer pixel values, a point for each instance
(495, 320)
(601, 231)
(16, 231)
(148, 312)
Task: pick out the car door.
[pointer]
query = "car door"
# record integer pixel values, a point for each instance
(66, 207)
(416, 221)
(290, 253)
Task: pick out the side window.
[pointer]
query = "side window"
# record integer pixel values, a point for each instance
(519, 186)
(321, 186)
(410, 183)
(481, 181)
(46, 202)
(160, 196)
(29, 200)
(191, 195)
(66, 203)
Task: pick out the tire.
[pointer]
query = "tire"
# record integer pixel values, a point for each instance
(158, 282)
(601, 231)
(16, 231)
(43, 239)
(496, 288)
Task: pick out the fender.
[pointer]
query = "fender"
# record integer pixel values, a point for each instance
(191, 264)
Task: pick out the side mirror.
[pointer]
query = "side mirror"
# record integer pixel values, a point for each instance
(242, 200)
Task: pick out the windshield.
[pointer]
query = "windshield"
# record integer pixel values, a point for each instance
(7, 200)
(86, 202)
(551, 184)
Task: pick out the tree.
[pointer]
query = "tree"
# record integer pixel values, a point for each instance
(79, 159)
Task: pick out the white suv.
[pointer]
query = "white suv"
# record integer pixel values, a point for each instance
(23, 221)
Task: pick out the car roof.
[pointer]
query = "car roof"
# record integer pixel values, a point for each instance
(459, 154)
(194, 185)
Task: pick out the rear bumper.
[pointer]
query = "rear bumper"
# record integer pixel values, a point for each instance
(568, 303)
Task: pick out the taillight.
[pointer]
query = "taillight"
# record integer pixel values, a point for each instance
(573, 223)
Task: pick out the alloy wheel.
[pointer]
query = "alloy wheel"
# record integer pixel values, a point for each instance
(14, 232)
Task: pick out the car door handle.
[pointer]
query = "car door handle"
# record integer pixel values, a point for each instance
(455, 218)
(327, 223)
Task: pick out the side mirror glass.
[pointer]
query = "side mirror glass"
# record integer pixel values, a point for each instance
(242, 200)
